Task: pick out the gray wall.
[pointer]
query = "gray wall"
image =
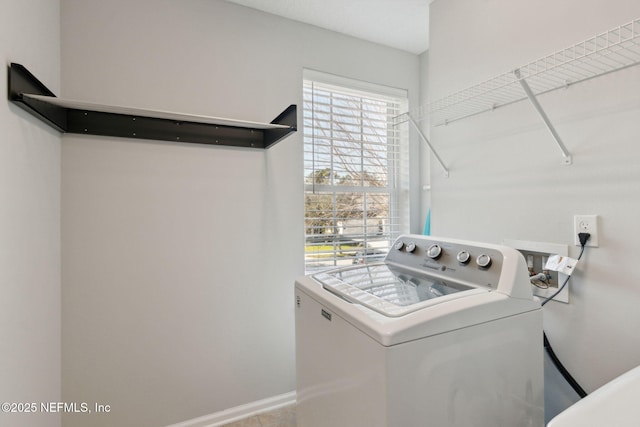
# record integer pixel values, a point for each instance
(507, 178)
(179, 260)
(29, 220)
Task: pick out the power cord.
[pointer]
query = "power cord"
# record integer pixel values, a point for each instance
(583, 237)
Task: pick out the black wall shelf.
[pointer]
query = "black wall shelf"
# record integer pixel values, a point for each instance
(79, 117)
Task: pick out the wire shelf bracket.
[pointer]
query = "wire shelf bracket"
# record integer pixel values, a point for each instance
(72, 116)
(426, 141)
(567, 160)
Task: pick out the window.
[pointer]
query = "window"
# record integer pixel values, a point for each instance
(354, 170)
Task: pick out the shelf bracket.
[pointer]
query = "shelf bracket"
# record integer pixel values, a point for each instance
(527, 90)
(426, 141)
(69, 116)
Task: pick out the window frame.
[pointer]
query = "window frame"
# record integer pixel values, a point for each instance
(332, 252)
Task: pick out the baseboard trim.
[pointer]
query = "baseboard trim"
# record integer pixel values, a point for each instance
(241, 412)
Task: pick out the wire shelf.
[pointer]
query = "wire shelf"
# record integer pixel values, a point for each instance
(613, 50)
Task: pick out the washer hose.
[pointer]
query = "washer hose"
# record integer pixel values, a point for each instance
(567, 376)
(547, 345)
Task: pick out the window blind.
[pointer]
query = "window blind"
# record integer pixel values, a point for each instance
(355, 173)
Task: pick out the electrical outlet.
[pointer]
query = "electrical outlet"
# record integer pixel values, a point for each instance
(586, 224)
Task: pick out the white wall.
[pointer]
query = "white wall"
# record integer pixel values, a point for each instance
(179, 260)
(507, 178)
(29, 220)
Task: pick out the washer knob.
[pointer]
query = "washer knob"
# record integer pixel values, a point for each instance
(411, 246)
(463, 257)
(434, 251)
(399, 245)
(483, 261)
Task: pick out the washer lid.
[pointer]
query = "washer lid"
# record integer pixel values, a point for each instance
(391, 291)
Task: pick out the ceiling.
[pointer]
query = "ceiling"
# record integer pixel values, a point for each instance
(402, 24)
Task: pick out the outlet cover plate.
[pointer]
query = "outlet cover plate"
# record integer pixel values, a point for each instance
(586, 224)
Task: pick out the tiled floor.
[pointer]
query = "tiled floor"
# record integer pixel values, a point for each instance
(283, 417)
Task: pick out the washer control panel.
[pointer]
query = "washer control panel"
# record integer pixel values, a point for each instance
(459, 260)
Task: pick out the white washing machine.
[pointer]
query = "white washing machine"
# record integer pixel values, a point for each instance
(442, 333)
